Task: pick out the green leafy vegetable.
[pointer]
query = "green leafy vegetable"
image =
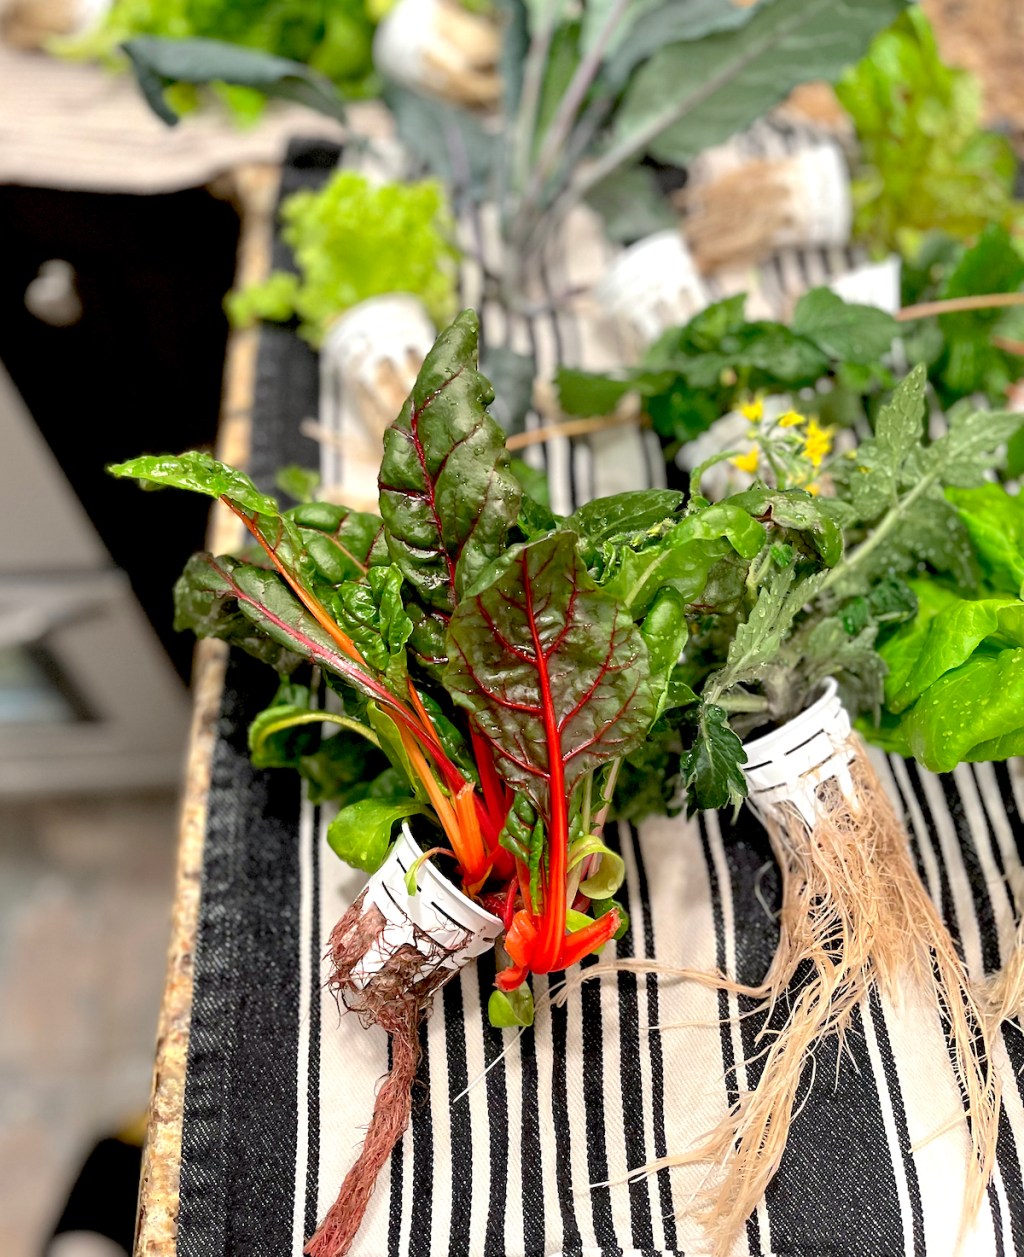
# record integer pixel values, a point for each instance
(994, 520)
(712, 768)
(692, 375)
(845, 332)
(272, 735)
(925, 162)
(683, 558)
(447, 495)
(361, 832)
(508, 1009)
(523, 836)
(300, 483)
(730, 79)
(353, 240)
(573, 694)
(610, 874)
(159, 63)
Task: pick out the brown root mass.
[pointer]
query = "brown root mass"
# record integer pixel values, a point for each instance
(1003, 993)
(855, 911)
(738, 219)
(396, 998)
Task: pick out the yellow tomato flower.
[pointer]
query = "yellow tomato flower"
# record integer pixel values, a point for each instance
(817, 443)
(747, 461)
(792, 419)
(753, 409)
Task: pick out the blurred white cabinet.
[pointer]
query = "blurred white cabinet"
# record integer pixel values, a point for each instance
(88, 698)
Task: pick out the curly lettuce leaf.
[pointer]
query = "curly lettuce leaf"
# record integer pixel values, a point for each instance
(354, 239)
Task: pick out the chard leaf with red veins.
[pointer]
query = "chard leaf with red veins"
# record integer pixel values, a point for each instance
(341, 542)
(447, 495)
(253, 608)
(555, 673)
(202, 474)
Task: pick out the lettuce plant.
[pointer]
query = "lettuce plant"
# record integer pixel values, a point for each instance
(925, 162)
(353, 239)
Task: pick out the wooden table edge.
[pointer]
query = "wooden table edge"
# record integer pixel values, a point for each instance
(254, 189)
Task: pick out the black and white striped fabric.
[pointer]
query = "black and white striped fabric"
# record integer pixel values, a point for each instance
(520, 1141)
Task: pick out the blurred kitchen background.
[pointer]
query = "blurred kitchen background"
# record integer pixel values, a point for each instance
(119, 242)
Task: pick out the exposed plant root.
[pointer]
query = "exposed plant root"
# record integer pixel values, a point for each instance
(738, 219)
(855, 912)
(1003, 994)
(397, 997)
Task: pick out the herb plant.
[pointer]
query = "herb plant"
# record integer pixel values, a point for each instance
(834, 588)
(693, 375)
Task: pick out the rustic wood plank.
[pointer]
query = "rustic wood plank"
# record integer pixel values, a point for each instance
(254, 189)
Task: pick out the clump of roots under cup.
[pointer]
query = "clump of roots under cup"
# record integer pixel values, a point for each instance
(397, 997)
(854, 913)
(1002, 994)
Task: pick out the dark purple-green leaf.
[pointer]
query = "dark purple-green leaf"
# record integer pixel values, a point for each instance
(447, 495)
(555, 674)
(253, 608)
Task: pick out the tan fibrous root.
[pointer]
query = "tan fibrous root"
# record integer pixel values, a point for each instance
(738, 219)
(1002, 996)
(396, 998)
(853, 910)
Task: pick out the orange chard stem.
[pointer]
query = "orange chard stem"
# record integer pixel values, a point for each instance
(423, 728)
(483, 821)
(451, 774)
(479, 865)
(446, 814)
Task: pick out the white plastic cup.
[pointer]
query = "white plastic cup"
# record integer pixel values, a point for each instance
(377, 346)
(786, 766)
(820, 205)
(652, 286)
(437, 48)
(872, 284)
(443, 924)
(368, 364)
(811, 184)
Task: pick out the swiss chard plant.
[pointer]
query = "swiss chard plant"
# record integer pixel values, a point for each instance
(483, 677)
